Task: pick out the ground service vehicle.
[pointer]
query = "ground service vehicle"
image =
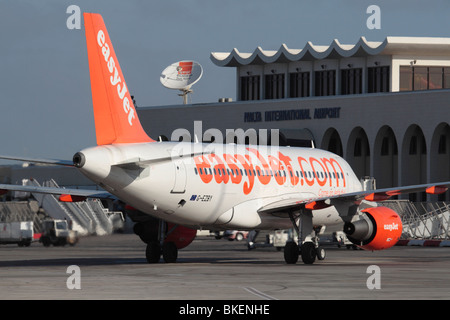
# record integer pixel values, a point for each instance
(57, 233)
(20, 232)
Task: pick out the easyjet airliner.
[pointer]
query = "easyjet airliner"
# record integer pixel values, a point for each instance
(173, 188)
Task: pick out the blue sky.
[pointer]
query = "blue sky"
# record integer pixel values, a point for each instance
(45, 97)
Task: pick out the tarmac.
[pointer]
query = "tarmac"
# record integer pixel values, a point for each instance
(114, 267)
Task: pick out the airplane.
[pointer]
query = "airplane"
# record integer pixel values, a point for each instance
(171, 189)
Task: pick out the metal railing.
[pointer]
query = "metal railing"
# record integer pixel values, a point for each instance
(422, 220)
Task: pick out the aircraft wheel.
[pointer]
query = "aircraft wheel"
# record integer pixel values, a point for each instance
(170, 252)
(153, 252)
(321, 253)
(308, 251)
(291, 252)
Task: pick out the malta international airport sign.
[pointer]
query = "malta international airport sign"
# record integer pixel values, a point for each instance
(293, 114)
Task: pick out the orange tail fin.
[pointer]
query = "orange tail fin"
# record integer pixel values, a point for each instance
(116, 120)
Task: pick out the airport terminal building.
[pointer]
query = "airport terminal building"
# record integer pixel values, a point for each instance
(383, 106)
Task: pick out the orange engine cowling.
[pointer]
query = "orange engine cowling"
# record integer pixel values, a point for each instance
(181, 236)
(379, 228)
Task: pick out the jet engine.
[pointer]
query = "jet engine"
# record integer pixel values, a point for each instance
(378, 228)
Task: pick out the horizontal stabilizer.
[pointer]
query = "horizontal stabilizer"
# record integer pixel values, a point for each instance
(139, 163)
(67, 163)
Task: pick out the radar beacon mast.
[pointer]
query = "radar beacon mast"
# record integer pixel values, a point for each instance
(181, 76)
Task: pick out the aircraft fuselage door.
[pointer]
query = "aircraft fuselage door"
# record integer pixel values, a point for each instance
(179, 185)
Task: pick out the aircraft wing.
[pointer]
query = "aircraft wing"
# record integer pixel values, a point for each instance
(315, 203)
(65, 195)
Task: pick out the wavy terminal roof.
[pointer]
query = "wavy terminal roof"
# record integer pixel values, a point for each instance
(390, 46)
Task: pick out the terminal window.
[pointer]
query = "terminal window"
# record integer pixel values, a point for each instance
(417, 144)
(249, 87)
(386, 147)
(424, 78)
(442, 148)
(299, 84)
(325, 83)
(378, 79)
(351, 81)
(274, 86)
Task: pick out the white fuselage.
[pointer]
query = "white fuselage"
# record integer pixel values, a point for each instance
(215, 185)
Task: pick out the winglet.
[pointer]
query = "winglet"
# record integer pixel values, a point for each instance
(116, 120)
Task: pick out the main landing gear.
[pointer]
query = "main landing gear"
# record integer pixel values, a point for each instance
(155, 249)
(168, 250)
(308, 242)
(154, 233)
